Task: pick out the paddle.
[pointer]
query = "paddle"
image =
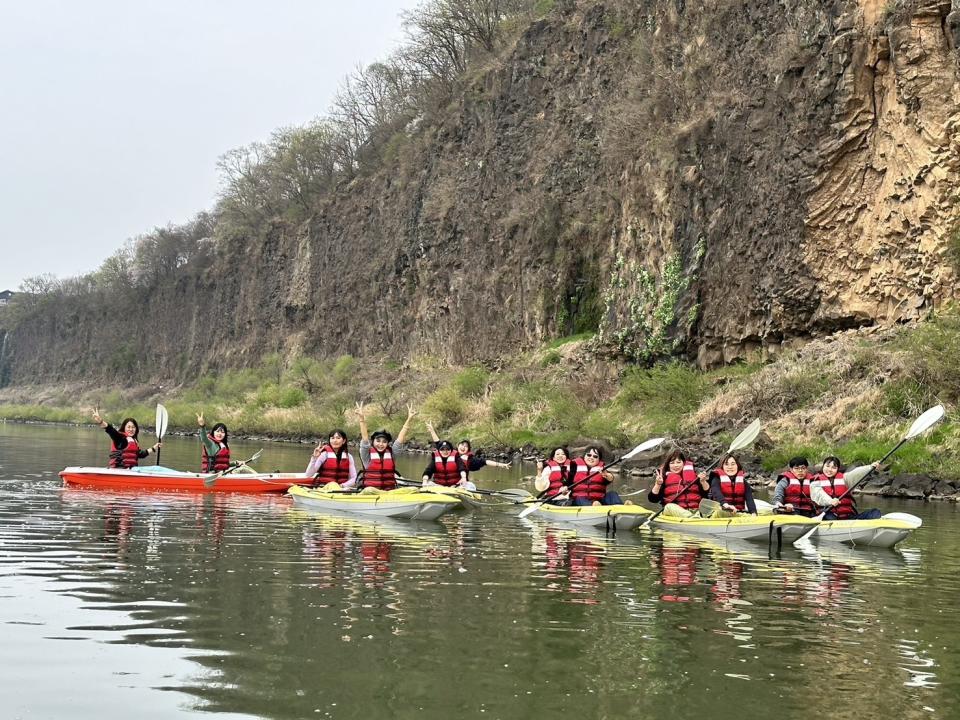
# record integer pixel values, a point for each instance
(642, 447)
(515, 494)
(747, 436)
(161, 426)
(856, 476)
(211, 481)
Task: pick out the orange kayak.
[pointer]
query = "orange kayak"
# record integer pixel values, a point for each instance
(161, 478)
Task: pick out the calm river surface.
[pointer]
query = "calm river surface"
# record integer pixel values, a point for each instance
(176, 605)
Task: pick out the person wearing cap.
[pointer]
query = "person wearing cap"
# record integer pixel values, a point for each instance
(792, 493)
(465, 453)
(378, 451)
(446, 468)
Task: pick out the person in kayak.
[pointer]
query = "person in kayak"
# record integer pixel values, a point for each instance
(465, 453)
(792, 493)
(125, 449)
(555, 476)
(588, 486)
(729, 487)
(446, 468)
(678, 486)
(378, 452)
(331, 462)
(215, 451)
(826, 488)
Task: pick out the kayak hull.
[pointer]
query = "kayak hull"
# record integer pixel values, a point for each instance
(163, 479)
(611, 517)
(409, 504)
(743, 527)
(881, 533)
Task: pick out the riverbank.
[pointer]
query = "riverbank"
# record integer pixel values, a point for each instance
(852, 394)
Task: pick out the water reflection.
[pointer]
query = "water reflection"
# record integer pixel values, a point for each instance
(243, 605)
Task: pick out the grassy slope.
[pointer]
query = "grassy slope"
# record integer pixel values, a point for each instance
(853, 395)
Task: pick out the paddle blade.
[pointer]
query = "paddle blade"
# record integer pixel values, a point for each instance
(532, 509)
(644, 447)
(162, 419)
(745, 438)
(930, 418)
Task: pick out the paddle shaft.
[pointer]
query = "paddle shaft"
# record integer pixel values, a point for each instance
(210, 481)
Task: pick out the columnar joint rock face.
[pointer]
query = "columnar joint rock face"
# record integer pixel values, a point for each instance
(715, 179)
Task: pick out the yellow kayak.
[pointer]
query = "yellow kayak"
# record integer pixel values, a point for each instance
(742, 527)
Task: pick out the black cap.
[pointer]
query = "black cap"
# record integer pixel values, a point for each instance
(381, 433)
(444, 445)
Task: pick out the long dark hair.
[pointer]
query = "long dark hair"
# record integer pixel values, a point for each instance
(675, 455)
(136, 426)
(226, 435)
(832, 459)
(346, 442)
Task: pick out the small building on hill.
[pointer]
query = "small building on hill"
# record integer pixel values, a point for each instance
(5, 296)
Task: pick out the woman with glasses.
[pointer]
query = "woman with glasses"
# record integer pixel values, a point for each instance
(588, 486)
(678, 486)
(446, 469)
(729, 487)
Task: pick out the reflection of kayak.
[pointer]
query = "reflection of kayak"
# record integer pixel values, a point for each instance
(371, 528)
(154, 477)
(409, 503)
(742, 527)
(884, 532)
(613, 517)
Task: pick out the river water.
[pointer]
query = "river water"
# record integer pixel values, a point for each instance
(175, 605)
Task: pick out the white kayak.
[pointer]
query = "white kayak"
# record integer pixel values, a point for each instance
(409, 503)
(885, 532)
(610, 517)
(742, 527)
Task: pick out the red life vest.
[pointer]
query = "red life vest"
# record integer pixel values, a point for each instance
(334, 469)
(557, 475)
(220, 461)
(734, 489)
(836, 488)
(798, 493)
(673, 483)
(126, 458)
(445, 472)
(589, 485)
(381, 472)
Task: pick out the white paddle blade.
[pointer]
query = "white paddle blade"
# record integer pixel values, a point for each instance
(162, 419)
(904, 517)
(644, 447)
(531, 509)
(926, 421)
(749, 434)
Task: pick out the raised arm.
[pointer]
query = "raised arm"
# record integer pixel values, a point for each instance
(402, 435)
(433, 432)
(361, 416)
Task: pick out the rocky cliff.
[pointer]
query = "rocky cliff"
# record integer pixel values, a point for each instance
(709, 179)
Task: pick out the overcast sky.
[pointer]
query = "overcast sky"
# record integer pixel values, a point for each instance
(113, 112)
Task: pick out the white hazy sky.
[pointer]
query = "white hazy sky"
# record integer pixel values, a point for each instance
(113, 112)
